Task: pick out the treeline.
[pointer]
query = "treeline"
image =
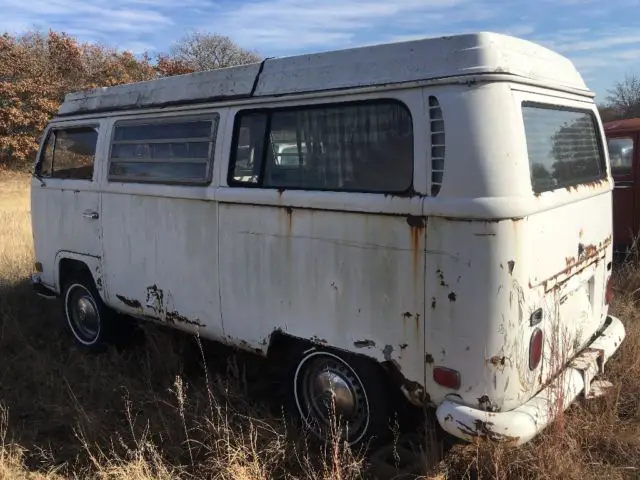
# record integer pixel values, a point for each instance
(623, 100)
(38, 69)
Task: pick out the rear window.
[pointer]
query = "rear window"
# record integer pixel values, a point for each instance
(563, 145)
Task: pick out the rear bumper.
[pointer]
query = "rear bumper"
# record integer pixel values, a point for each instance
(520, 425)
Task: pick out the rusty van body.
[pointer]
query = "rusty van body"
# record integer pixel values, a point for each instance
(431, 216)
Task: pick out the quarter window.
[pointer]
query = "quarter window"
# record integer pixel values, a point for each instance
(69, 153)
(365, 147)
(621, 155)
(165, 151)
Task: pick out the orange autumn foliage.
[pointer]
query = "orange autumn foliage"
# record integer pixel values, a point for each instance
(37, 70)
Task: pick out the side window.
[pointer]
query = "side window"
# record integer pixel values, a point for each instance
(45, 168)
(69, 153)
(365, 146)
(163, 151)
(621, 155)
(249, 147)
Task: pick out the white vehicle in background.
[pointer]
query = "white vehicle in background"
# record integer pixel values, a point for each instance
(436, 220)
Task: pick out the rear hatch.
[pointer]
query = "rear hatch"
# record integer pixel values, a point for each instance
(569, 240)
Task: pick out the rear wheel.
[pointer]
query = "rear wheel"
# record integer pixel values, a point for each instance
(336, 394)
(88, 318)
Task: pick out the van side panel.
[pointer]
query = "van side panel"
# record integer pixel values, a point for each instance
(161, 258)
(349, 279)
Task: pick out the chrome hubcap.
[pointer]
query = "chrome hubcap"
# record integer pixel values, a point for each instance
(84, 314)
(328, 391)
(333, 391)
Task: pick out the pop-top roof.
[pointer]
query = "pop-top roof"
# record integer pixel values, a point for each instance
(393, 63)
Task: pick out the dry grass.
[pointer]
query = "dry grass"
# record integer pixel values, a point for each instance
(150, 412)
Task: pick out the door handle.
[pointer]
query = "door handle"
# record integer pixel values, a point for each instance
(90, 214)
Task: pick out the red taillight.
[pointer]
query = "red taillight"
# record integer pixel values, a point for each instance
(608, 296)
(447, 377)
(535, 349)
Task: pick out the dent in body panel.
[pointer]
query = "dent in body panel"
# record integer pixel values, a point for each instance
(353, 279)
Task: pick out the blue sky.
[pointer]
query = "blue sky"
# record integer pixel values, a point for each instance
(601, 37)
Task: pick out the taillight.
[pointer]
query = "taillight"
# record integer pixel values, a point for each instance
(535, 349)
(447, 377)
(608, 296)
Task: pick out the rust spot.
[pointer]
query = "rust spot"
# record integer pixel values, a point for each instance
(485, 402)
(404, 346)
(511, 265)
(387, 351)
(155, 298)
(175, 317)
(289, 212)
(414, 392)
(407, 315)
(482, 429)
(129, 302)
(322, 341)
(364, 344)
(417, 226)
(586, 254)
(416, 222)
(433, 302)
(452, 297)
(441, 278)
(497, 360)
(428, 358)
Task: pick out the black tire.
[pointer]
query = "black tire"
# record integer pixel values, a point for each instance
(369, 421)
(80, 300)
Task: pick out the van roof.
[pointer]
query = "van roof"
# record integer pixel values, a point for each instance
(392, 63)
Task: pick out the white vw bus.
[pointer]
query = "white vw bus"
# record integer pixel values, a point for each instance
(431, 216)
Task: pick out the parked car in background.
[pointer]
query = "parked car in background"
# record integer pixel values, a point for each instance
(622, 142)
(429, 217)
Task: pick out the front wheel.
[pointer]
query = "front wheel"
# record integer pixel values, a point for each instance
(88, 319)
(340, 395)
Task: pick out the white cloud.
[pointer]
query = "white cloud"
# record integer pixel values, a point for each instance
(91, 20)
(278, 25)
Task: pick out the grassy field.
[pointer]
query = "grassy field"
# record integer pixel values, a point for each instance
(152, 411)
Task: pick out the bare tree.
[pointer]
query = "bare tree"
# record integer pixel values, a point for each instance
(625, 97)
(205, 51)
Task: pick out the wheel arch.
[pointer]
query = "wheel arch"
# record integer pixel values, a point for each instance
(69, 263)
(281, 344)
